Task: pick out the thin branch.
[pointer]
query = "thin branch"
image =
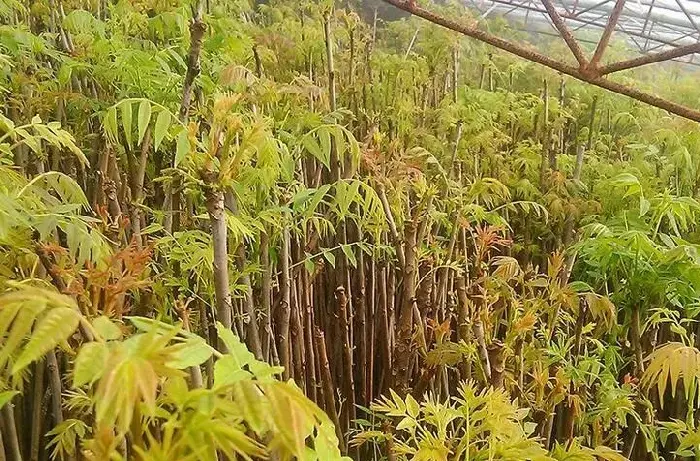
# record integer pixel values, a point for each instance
(197, 29)
(565, 33)
(410, 45)
(607, 33)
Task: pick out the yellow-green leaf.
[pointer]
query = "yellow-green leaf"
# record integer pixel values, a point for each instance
(161, 128)
(106, 328)
(90, 363)
(6, 397)
(110, 123)
(191, 353)
(126, 121)
(183, 147)
(144, 118)
(412, 406)
(53, 328)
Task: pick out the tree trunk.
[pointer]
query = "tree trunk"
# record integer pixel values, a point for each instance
(37, 400)
(342, 300)
(138, 175)
(197, 30)
(361, 314)
(327, 385)
(250, 321)
(10, 438)
(402, 350)
(215, 208)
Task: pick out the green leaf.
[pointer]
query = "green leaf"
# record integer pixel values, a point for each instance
(183, 147)
(310, 144)
(191, 353)
(236, 349)
(161, 128)
(643, 206)
(349, 254)
(110, 123)
(309, 265)
(144, 118)
(106, 328)
(412, 406)
(90, 363)
(324, 137)
(53, 328)
(227, 371)
(406, 423)
(6, 397)
(126, 121)
(330, 257)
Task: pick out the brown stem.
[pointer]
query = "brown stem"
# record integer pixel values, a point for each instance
(297, 341)
(209, 332)
(385, 328)
(458, 137)
(327, 385)
(55, 384)
(422, 385)
(402, 351)
(284, 307)
(137, 179)
(636, 340)
(215, 208)
(342, 300)
(392, 225)
(361, 327)
(308, 337)
(251, 321)
(463, 330)
(197, 30)
(497, 361)
(266, 293)
(478, 329)
(10, 437)
(37, 398)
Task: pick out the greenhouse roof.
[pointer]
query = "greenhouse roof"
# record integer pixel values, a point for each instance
(661, 31)
(649, 26)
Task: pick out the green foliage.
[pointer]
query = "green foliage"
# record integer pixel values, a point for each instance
(544, 248)
(473, 425)
(33, 321)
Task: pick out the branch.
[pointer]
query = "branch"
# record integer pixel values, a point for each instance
(534, 56)
(197, 29)
(651, 58)
(566, 33)
(607, 33)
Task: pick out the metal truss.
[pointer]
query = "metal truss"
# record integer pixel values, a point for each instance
(659, 30)
(648, 25)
